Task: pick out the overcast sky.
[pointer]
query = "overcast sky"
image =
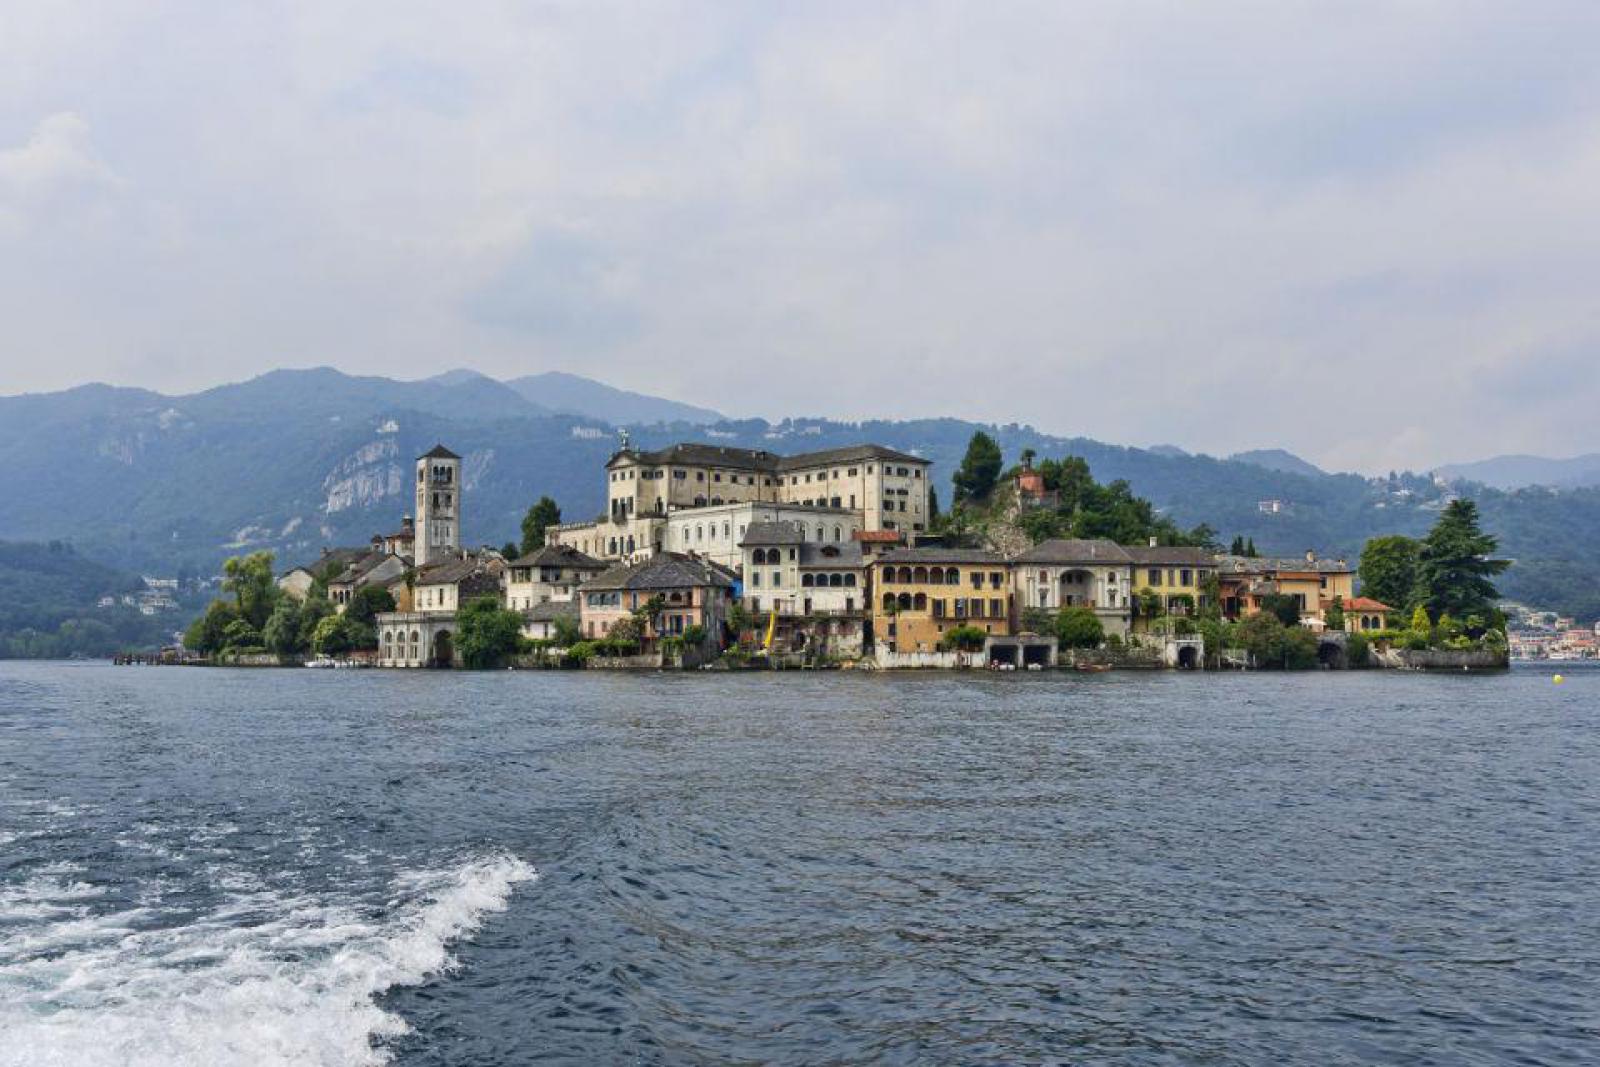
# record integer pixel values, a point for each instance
(1367, 232)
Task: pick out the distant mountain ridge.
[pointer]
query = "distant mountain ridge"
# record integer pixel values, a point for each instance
(1518, 471)
(1276, 459)
(296, 460)
(569, 394)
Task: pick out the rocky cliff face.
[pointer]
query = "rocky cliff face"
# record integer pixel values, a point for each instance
(371, 474)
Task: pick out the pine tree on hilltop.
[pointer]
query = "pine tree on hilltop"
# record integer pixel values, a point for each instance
(1455, 564)
(979, 470)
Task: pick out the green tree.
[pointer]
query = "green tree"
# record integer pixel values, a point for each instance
(1334, 616)
(1455, 564)
(1388, 570)
(566, 631)
(1250, 549)
(282, 634)
(249, 579)
(1286, 609)
(487, 634)
(1420, 620)
(1274, 645)
(1237, 548)
(975, 479)
(542, 514)
(367, 602)
(208, 633)
(509, 550)
(240, 634)
(312, 611)
(628, 630)
(1078, 627)
(334, 636)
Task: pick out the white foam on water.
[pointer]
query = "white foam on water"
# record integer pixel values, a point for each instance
(266, 980)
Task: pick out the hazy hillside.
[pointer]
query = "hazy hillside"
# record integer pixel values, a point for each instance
(1276, 459)
(298, 460)
(49, 605)
(1517, 472)
(572, 395)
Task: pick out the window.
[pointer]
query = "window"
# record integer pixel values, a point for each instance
(1186, 577)
(1153, 577)
(699, 476)
(977, 579)
(849, 581)
(807, 581)
(755, 579)
(994, 609)
(851, 472)
(680, 475)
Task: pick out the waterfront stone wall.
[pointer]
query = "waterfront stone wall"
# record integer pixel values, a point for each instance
(1447, 659)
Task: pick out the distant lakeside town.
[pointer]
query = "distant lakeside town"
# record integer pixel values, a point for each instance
(716, 557)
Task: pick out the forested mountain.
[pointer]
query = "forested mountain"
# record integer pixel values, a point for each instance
(298, 460)
(49, 605)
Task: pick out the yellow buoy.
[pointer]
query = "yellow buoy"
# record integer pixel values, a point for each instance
(1558, 679)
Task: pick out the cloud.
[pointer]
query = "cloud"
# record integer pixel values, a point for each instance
(1346, 230)
(57, 158)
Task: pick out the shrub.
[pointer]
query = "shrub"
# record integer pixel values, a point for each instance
(1357, 652)
(963, 639)
(1079, 628)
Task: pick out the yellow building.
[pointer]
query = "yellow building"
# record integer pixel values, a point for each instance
(920, 594)
(1178, 577)
(1312, 583)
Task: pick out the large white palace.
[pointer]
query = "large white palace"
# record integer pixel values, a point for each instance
(701, 499)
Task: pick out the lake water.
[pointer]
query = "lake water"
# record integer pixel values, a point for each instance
(307, 867)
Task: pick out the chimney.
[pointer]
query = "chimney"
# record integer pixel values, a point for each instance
(1311, 555)
(1152, 540)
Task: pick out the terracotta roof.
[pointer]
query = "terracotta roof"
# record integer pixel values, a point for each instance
(1365, 603)
(879, 537)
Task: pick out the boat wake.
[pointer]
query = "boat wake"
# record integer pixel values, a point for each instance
(266, 979)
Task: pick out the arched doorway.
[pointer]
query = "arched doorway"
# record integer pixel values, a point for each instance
(443, 650)
(1188, 658)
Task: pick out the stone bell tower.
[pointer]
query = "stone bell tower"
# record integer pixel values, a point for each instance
(438, 530)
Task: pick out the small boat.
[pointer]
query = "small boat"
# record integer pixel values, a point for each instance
(321, 663)
(1094, 668)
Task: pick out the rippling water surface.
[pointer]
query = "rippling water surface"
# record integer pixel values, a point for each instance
(299, 867)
